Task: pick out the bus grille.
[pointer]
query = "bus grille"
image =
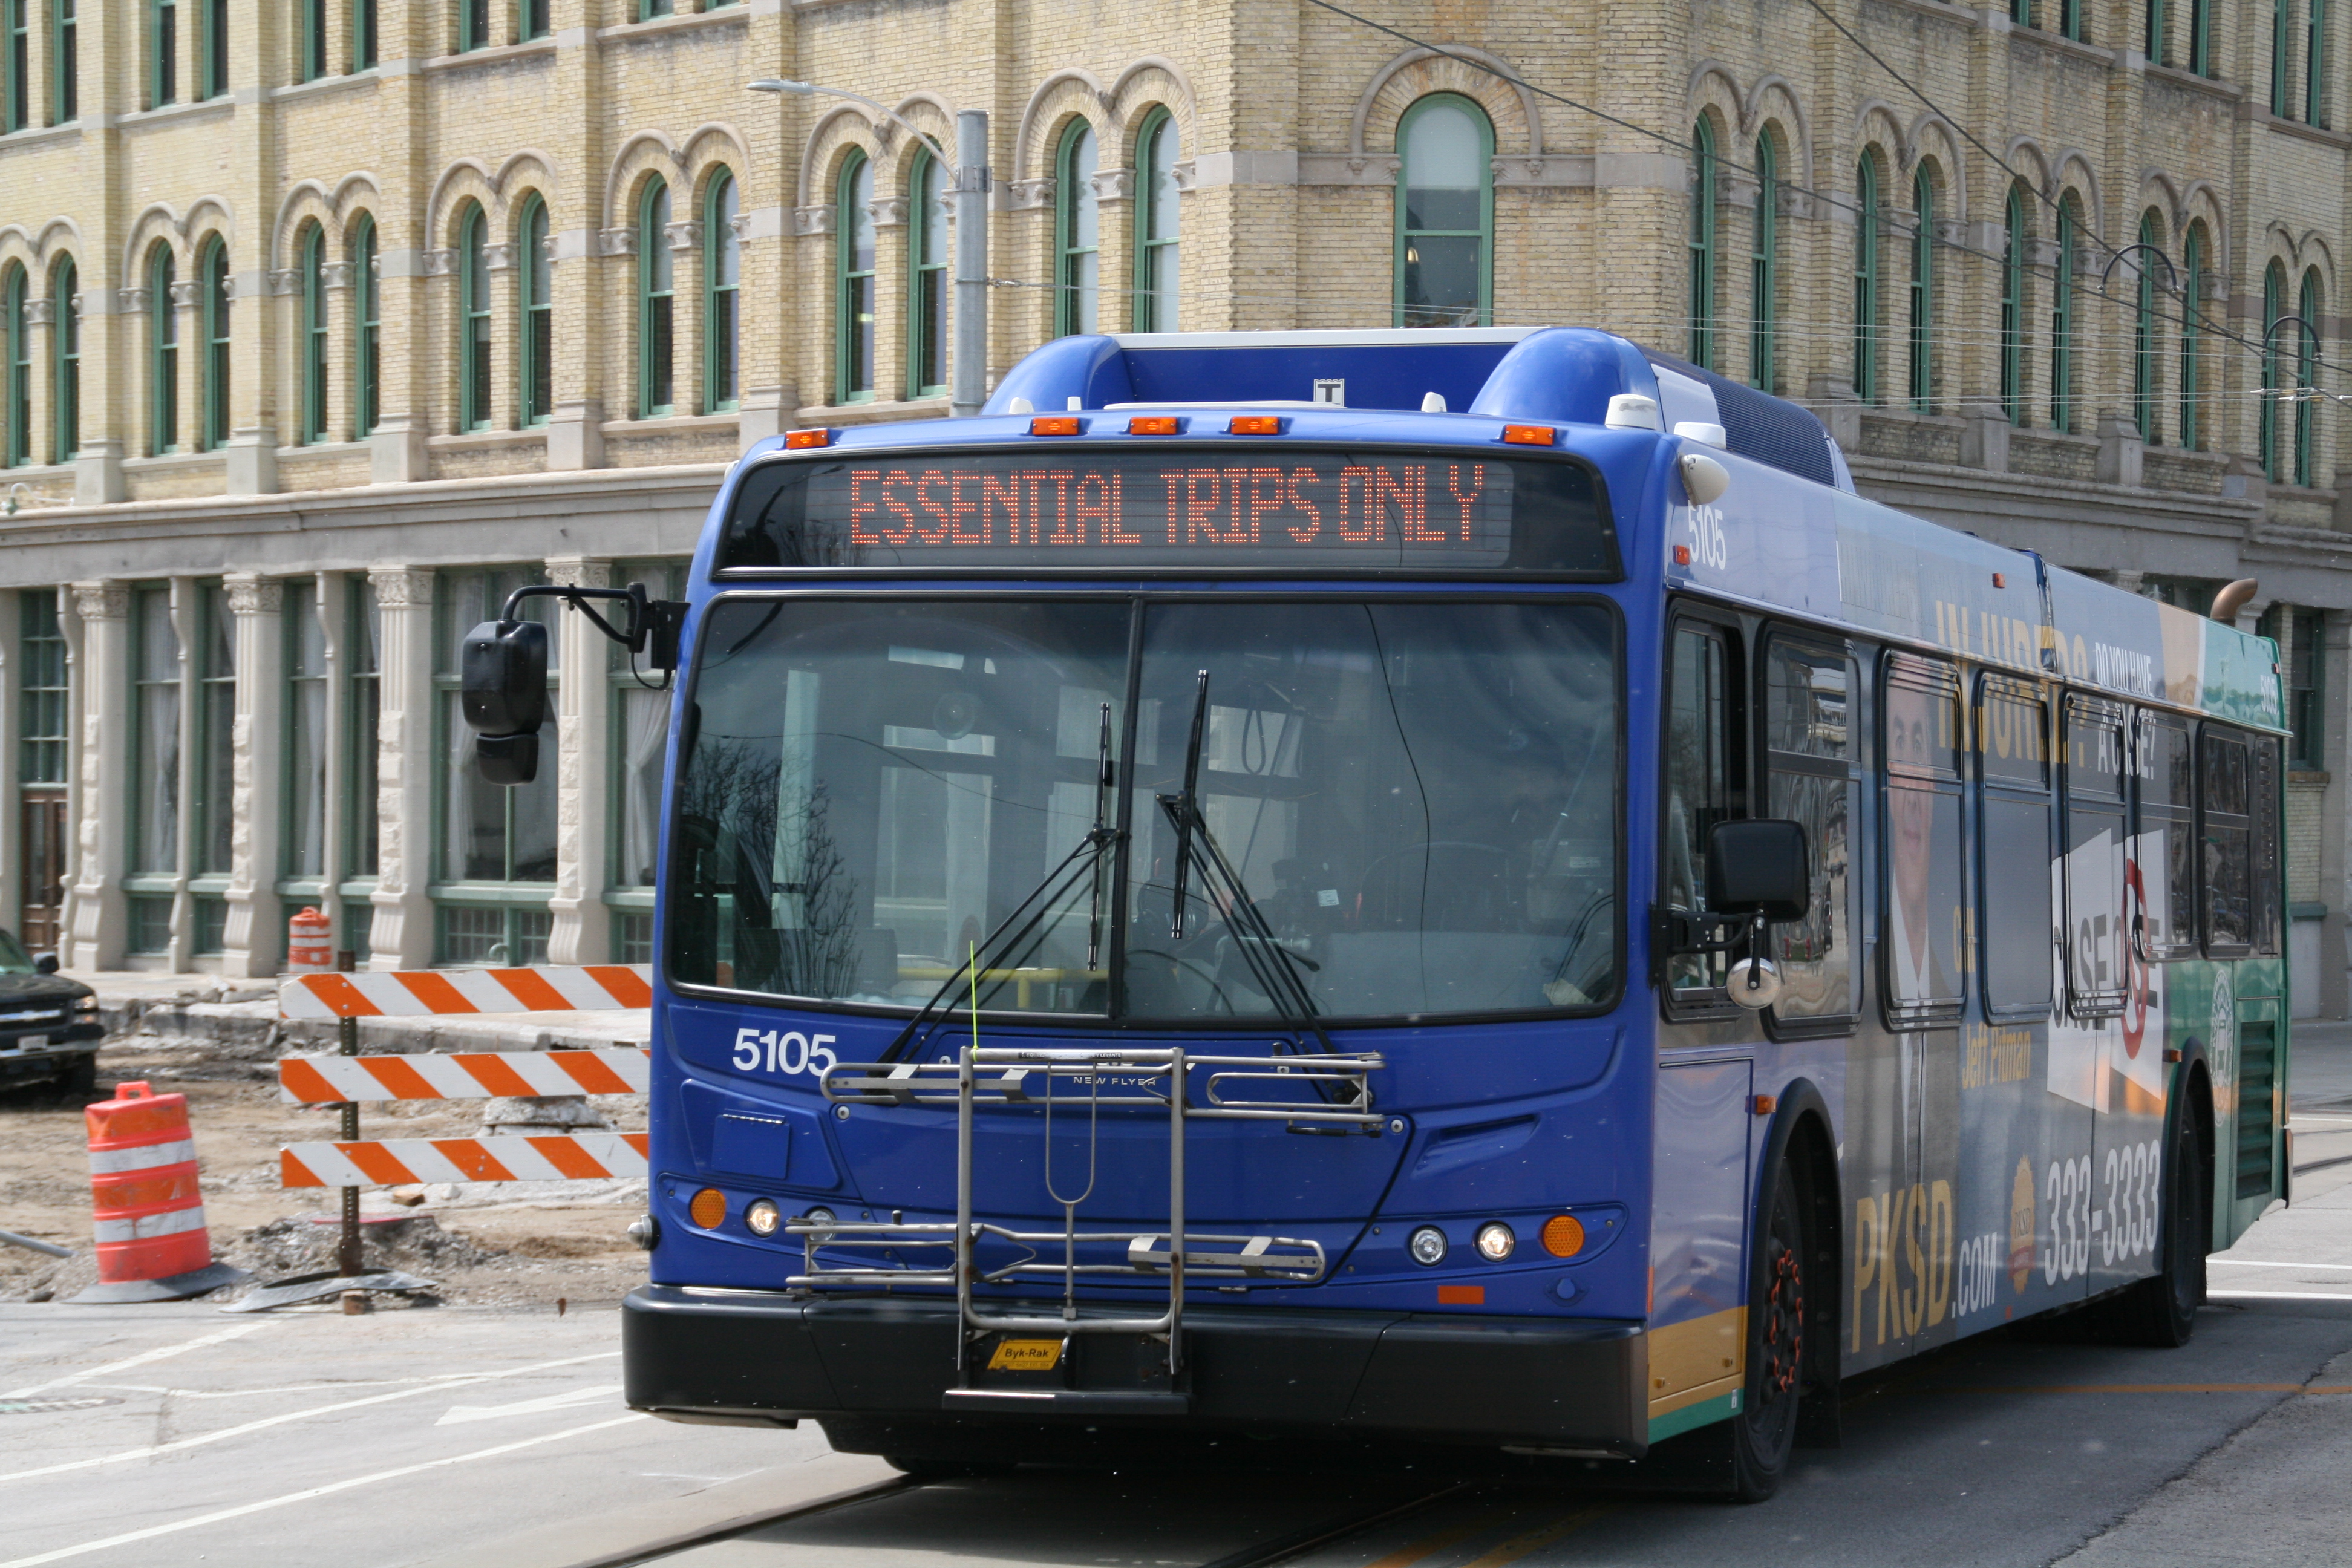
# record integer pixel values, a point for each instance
(2257, 1072)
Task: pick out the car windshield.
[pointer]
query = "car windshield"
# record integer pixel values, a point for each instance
(1420, 799)
(13, 960)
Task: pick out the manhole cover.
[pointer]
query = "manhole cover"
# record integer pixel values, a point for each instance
(43, 1406)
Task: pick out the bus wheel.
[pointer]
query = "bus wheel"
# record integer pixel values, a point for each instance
(2161, 1312)
(1765, 1430)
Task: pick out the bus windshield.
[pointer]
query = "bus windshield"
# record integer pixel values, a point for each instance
(1421, 800)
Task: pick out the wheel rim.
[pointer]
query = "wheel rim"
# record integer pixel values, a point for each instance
(1781, 1347)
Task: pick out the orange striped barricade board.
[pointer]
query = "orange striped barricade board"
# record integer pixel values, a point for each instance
(464, 1075)
(400, 1162)
(425, 993)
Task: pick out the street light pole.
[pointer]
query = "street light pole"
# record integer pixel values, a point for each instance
(969, 172)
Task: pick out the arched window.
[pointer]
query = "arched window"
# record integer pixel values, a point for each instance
(367, 348)
(2146, 367)
(1077, 233)
(473, 321)
(17, 414)
(1764, 268)
(656, 337)
(723, 287)
(1702, 244)
(2062, 317)
(2273, 306)
(1865, 279)
(64, 336)
(2306, 374)
(213, 319)
(2192, 322)
(2013, 296)
(1156, 216)
(537, 312)
(314, 334)
(1923, 295)
(853, 290)
(1445, 213)
(163, 355)
(927, 279)
(162, 53)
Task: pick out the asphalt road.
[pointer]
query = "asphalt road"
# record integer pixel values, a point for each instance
(462, 1438)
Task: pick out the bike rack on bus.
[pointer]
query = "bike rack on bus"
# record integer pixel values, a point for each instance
(1333, 1090)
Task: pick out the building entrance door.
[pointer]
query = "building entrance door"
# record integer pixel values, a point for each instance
(41, 892)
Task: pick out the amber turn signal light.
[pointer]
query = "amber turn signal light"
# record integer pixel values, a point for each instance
(808, 437)
(1054, 425)
(1531, 435)
(1563, 1235)
(1255, 424)
(1152, 424)
(709, 1208)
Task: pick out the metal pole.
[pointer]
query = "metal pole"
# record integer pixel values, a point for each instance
(347, 1257)
(971, 355)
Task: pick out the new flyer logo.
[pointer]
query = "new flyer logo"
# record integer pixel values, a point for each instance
(2021, 1226)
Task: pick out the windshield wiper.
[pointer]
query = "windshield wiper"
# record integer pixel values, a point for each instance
(1272, 964)
(1086, 857)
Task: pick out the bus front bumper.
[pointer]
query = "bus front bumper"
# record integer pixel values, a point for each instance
(879, 1373)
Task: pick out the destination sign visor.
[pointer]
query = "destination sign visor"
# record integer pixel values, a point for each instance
(1261, 507)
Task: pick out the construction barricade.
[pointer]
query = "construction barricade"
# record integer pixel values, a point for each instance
(146, 1204)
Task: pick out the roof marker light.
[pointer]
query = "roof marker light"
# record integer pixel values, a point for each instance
(1632, 411)
(808, 438)
(1057, 424)
(1531, 435)
(1153, 425)
(1433, 403)
(1255, 424)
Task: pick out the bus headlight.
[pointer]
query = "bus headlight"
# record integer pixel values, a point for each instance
(763, 1218)
(1495, 1241)
(819, 1216)
(1427, 1246)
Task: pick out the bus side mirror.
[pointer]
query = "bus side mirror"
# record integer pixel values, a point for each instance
(1758, 870)
(503, 669)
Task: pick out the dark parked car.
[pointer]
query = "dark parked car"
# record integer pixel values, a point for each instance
(48, 1025)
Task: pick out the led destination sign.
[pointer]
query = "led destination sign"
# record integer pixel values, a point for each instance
(1261, 507)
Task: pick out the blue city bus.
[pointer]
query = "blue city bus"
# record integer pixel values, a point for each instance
(1452, 887)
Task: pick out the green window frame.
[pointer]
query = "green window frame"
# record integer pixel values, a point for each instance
(2193, 307)
(474, 26)
(2306, 681)
(657, 342)
(367, 318)
(162, 356)
(536, 309)
(305, 738)
(2153, 39)
(213, 314)
(2013, 296)
(494, 849)
(314, 335)
(156, 736)
(65, 63)
(362, 669)
(1865, 279)
(2062, 321)
(65, 338)
(853, 250)
(649, 9)
(16, 65)
(162, 52)
(2314, 64)
(366, 31)
(17, 414)
(314, 39)
(723, 295)
(1445, 213)
(211, 814)
(44, 724)
(2146, 367)
(2266, 420)
(1922, 354)
(473, 319)
(2282, 29)
(927, 279)
(637, 741)
(2070, 19)
(537, 20)
(2306, 374)
(2201, 36)
(1159, 222)
(2021, 12)
(1702, 244)
(1077, 232)
(1764, 268)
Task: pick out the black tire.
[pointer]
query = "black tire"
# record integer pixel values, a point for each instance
(1765, 1431)
(2160, 1313)
(929, 1469)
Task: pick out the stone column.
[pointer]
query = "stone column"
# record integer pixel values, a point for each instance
(343, 350)
(396, 446)
(582, 932)
(98, 459)
(687, 395)
(505, 286)
(406, 775)
(188, 313)
(40, 326)
(255, 941)
(100, 913)
(254, 340)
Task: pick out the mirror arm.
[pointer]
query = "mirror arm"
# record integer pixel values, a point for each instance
(648, 619)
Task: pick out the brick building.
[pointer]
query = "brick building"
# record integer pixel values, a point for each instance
(322, 323)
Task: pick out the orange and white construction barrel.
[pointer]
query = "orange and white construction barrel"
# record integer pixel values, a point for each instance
(148, 1209)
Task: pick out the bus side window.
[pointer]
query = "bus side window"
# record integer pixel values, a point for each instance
(1923, 939)
(1809, 707)
(1698, 786)
(2269, 892)
(2164, 831)
(2097, 960)
(2225, 869)
(2013, 848)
